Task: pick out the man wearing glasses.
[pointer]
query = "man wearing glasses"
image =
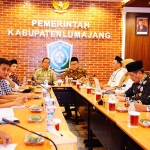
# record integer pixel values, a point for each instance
(75, 71)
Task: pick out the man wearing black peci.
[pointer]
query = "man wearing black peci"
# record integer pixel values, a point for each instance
(116, 75)
(74, 72)
(7, 97)
(140, 90)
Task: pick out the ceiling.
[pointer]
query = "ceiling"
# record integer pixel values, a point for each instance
(108, 0)
(129, 3)
(137, 3)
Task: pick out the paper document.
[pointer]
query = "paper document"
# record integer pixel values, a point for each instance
(54, 131)
(66, 137)
(8, 147)
(7, 113)
(18, 107)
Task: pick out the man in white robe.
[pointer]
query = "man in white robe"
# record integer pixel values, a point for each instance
(116, 75)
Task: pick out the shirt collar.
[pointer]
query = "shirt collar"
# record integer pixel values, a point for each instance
(143, 79)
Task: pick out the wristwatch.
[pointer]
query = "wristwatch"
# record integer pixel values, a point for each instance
(148, 108)
(139, 101)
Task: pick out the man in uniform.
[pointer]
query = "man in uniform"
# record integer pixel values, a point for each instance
(44, 72)
(140, 90)
(116, 75)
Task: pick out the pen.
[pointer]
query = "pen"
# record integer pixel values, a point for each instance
(3, 123)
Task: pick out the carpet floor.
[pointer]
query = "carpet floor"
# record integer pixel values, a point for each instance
(80, 131)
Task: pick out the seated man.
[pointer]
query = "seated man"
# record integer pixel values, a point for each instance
(116, 75)
(140, 89)
(6, 139)
(74, 72)
(12, 69)
(5, 90)
(19, 101)
(44, 72)
(125, 82)
(141, 107)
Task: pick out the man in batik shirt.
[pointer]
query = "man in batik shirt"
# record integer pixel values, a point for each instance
(140, 90)
(75, 71)
(12, 78)
(44, 72)
(12, 69)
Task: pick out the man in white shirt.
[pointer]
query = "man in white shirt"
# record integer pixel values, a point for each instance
(116, 75)
(6, 94)
(125, 82)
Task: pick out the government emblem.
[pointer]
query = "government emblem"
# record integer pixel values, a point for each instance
(60, 54)
(60, 7)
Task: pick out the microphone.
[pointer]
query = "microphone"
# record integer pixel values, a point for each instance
(33, 79)
(12, 123)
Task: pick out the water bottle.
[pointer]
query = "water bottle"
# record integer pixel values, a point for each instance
(44, 92)
(48, 102)
(24, 81)
(66, 80)
(50, 122)
(45, 82)
(88, 83)
(131, 108)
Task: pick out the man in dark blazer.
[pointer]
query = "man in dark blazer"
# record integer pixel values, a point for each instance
(141, 27)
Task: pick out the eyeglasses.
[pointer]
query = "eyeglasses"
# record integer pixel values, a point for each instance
(73, 64)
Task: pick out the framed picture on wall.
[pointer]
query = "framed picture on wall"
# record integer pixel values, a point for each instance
(141, 25)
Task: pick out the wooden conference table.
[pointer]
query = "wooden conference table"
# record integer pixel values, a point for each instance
(110, 128)
(18, 135)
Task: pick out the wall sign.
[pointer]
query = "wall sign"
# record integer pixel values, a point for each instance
(60, 29)
(60, 54)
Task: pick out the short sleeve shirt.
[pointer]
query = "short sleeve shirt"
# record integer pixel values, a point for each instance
(4, 87)
(41, 74)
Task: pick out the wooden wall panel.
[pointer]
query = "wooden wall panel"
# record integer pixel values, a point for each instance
(137, 46)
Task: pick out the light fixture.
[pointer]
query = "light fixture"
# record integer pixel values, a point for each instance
(27, 2)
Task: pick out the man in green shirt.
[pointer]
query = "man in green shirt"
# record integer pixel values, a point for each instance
(45, 72)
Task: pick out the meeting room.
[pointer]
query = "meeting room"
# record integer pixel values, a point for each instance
(74, 74)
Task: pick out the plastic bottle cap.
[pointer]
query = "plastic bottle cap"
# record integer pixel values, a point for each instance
(131, 103)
